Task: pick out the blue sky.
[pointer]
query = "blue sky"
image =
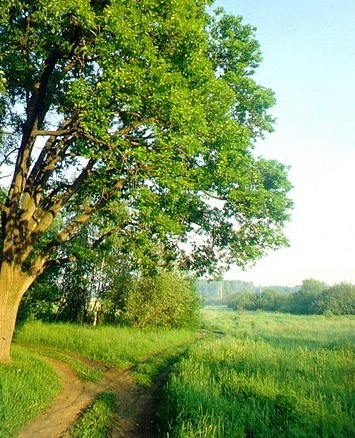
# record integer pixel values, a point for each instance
(308, 48)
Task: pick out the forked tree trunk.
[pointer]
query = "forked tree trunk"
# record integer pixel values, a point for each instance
(13, 285)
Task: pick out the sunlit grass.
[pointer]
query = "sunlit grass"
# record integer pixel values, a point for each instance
(85, 372)
(96, 421)
(29, 384)
(113, 346)
(271, 376)
(261, 375)
(26, 387)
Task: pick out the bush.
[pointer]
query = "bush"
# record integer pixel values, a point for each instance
(338, 300)
(167, 300)
(302, 301)
(244, 300)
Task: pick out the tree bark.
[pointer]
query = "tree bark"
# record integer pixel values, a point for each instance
(13, 284)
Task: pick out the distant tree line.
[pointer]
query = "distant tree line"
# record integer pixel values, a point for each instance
(220, 291)
(312, 297)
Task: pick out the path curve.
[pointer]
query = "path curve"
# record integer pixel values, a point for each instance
(135, 404)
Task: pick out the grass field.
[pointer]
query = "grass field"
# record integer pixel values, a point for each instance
(254, 375)
(115, 346)
(264, 375)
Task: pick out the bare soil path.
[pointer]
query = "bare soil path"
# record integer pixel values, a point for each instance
(135, 404)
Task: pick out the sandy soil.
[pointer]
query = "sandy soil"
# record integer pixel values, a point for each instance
(135, 405)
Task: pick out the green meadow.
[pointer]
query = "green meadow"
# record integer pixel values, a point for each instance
(114, 346)
(250, 375)
(264, 375)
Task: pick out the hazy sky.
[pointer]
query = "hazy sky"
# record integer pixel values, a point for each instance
(309, 61)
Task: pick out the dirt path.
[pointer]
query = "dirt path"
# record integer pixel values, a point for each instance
(135, 405)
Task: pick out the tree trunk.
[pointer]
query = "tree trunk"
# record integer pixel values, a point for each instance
(13, 285)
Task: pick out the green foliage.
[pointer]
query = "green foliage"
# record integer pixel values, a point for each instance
(41, 299)
(227, 291)
(270, 376)
(302, 301)
(104, 285)
(27, 386)
(148, 104)
(245, 300)
(167, 300)
(97, 289)
(270, 300)
(338, 300)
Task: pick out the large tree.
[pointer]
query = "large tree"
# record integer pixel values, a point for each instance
(147, 103)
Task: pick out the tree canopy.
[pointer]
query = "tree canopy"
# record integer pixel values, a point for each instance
(146, 105)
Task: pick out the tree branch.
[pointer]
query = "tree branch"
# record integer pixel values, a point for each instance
(45, 217)
(219, 198)
(58, 262)
(8, 155)
(56, 133)
(135, 125)
(106, 235)
(37, 180)
(4, 209)
(35, 115)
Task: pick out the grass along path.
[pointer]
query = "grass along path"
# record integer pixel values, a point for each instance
(29, 384)
(270, 376)
(77, 396)
(118, 347)
(115, 406)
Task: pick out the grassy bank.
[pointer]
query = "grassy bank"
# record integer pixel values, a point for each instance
(270, 375)
(27, 386)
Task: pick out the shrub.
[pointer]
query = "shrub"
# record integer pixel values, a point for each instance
(167, 300)
(338, 300)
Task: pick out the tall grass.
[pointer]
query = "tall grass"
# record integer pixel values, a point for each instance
(270, 376)
(97, 420)
(26, 387)
(113, 346)
(29, 384)
(85, 372)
